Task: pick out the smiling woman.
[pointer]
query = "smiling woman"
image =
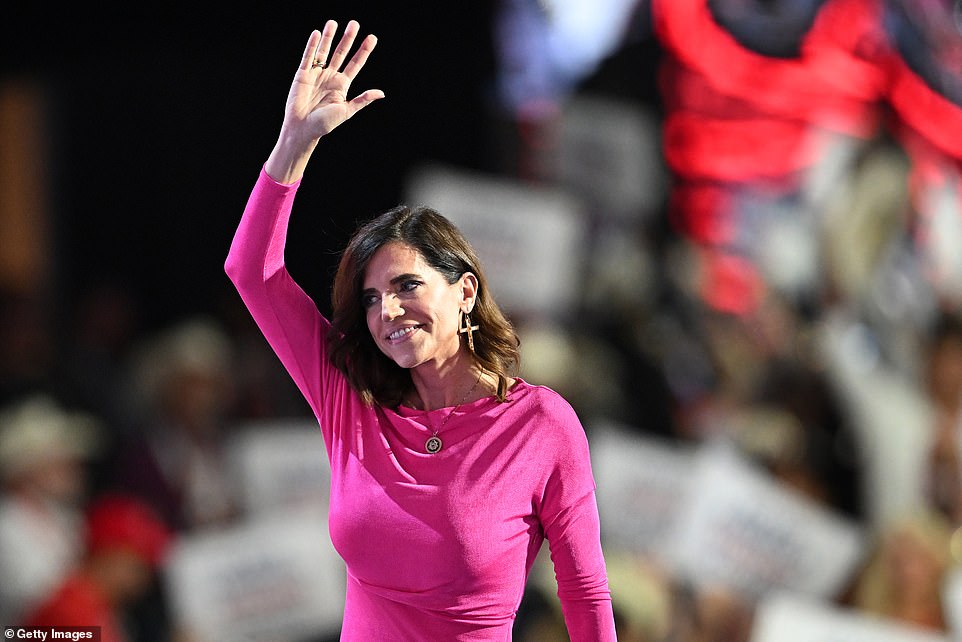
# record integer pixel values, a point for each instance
(415, 322)
(400, 265)
(448, 471)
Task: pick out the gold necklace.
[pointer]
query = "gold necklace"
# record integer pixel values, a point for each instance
(434, 444)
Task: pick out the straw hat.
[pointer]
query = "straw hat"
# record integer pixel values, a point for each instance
(198, 345)
(37, 430)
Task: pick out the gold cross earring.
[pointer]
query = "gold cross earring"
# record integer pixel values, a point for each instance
(467, 328)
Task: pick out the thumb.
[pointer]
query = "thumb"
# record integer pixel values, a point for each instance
(364, 99)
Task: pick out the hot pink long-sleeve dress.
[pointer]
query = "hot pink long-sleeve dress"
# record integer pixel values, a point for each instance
(436, 546)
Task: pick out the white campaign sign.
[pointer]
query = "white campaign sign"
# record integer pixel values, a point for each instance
(643, 483)
(743, 530)
(610, 155)
(530, 239)
(787, 618)
(275, 579)
(281, 465)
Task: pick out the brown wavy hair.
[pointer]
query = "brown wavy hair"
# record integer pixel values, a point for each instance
(351, 347)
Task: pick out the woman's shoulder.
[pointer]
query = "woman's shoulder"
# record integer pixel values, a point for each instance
(538, 394)
(549, 408)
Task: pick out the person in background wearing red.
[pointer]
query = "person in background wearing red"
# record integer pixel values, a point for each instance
(125, 545)
(44, 452)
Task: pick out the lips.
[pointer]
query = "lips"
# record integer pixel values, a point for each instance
(402, 333)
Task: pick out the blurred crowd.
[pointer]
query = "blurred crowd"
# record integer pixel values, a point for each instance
(794, 292)
(792, 287)
(113, 449)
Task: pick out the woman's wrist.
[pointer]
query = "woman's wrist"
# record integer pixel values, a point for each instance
(288, 160)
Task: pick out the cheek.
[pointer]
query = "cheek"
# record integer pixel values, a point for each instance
(372, 319)
(453, 316)
(446, 307)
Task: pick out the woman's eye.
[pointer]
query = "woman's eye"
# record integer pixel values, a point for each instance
(409, 286)
(368, 300)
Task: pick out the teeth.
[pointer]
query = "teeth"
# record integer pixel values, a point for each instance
(397, 334)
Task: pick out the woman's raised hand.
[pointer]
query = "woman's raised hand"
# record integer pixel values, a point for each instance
(318, 96)
(317, 102)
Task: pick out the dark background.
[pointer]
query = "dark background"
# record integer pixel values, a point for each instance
(159, 122)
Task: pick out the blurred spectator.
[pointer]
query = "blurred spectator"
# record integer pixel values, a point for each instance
(650, 603)
(907, 419)
(904, 576)
(769, 395)
(943, 379)
(819, 458)
(643, 598)
(177, 460)
(124, 547)
(721, 615)
(44, 451)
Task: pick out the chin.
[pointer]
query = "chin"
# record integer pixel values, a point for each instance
(406, 361)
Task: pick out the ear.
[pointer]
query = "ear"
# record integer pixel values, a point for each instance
(469, 291)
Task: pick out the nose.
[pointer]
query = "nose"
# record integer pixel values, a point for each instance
(390, 307)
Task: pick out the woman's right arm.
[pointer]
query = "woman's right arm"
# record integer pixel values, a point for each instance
(316, 104)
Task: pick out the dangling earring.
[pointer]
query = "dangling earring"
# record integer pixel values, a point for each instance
(467, 328)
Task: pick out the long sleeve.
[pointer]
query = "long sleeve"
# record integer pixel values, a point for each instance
(572, 526)
(285, 314)
(580, 572)
(458, 531)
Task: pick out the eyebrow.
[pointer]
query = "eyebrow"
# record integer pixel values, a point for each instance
(398, 279)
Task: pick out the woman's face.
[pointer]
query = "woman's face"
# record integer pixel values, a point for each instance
(412, 311)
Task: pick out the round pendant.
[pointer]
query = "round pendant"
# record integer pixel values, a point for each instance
(433, 444)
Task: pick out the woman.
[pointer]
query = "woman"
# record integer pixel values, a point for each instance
(447, 472)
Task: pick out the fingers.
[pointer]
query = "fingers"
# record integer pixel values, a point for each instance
(318, 49)
(360, 57)
(307, 59)
(344, 46)
(324, 44)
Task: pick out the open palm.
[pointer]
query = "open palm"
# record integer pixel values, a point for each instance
(318, 99)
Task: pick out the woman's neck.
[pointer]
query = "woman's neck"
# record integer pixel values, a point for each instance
(458, 382)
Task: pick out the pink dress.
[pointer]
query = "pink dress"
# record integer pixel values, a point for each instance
(436, 546)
